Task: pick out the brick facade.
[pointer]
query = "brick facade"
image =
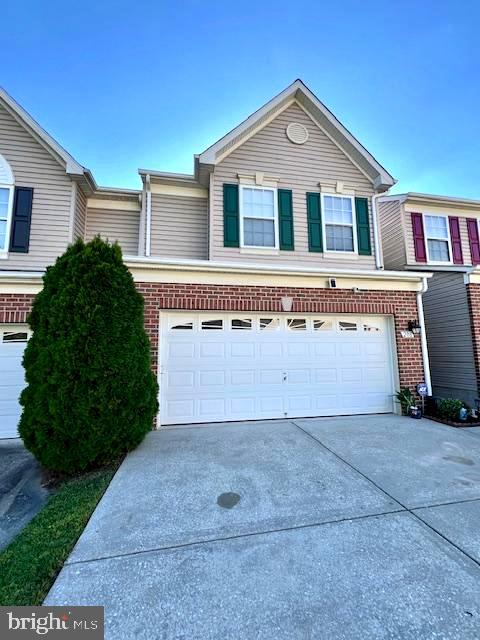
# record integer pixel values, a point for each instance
(401, 305)
(473, 297)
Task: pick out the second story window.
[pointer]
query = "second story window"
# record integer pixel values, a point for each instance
(258, 217)
(6, 197)
(438, 238)
(340, 232)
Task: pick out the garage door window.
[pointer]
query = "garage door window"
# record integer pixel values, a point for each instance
(212, 324)
(182, 326)
(373, 328)
(11, 336)
(269, 323)
(322, 325)
(347, 326)
(242, 323)
(297, 324)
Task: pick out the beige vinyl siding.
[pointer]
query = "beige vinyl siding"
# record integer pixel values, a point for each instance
(80, 216)
(179, 227)
(300, 168)
(462, 219)
(449, 337)
(114, 225)
(392, 234)
(33, 166)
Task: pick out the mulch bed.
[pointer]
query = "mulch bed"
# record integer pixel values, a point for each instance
(449, 423)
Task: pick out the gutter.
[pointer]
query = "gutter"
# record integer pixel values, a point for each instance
(229, 267)
(376, 234)
(423, 336)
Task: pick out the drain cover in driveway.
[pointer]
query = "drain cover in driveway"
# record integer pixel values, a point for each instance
(228, 500)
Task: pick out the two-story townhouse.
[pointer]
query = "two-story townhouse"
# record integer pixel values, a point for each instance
(440, 234)
(262, 273)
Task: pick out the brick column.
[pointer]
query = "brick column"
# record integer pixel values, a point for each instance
(473, 297)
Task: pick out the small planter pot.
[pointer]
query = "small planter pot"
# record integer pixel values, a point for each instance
(415, 412)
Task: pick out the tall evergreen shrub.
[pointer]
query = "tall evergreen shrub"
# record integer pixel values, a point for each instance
(90, 393)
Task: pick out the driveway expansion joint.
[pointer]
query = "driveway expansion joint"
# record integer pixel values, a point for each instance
(234, 537)
(404, 507)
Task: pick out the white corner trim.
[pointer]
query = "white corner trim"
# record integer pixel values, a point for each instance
(73, 203)
(148, 217)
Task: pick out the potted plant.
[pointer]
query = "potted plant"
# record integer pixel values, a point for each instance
(407, 402)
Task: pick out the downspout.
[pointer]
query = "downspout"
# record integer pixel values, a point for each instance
(423, 336)
(376, 234)
(148, 222)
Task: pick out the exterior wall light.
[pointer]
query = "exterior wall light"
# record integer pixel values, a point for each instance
(287, 304)
(414, 327)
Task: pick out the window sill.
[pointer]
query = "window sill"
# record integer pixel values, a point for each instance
(3, 255)
(259, 251)
(343, 255)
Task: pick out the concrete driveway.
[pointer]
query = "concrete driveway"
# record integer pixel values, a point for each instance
(362, 527)
(21, 492)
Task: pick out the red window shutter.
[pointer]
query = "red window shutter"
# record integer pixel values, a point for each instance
(418, 238)
(456, 240)
(472, 227)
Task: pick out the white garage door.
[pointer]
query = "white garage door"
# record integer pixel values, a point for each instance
(216, 367)
(13, 339)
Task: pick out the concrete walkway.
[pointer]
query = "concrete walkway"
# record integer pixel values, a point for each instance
(362, 527)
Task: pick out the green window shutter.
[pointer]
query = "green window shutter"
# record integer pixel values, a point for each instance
(363, 227)
(314, 218)
(285, 218)
(230, 215)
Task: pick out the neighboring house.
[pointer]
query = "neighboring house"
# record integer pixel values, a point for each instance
(265, 293)
(441, 235)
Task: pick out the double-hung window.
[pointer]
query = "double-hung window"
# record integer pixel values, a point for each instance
(339, 226)
(258, 217)
(437, 236)
(6, 203)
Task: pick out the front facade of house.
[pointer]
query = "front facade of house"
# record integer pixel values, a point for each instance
(262, 273)
(441, 235)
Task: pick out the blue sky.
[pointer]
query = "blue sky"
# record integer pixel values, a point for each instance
(125, 84)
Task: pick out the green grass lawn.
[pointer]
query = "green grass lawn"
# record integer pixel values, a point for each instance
(30, 564)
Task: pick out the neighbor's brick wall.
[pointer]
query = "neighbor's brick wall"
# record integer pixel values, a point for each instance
(401, 304)
(14, 307)
(473, 297)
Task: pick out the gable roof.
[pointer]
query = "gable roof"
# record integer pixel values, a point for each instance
(67, 161)
(324, 118)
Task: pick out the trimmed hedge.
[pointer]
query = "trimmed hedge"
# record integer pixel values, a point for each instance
(90, 394)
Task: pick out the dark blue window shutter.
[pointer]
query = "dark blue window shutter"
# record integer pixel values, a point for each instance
(21, 219)
(285, 217)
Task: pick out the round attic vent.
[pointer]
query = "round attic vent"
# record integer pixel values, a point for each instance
(297, 133)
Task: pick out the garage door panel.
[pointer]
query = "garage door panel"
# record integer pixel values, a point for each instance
(242, 377)
(247, 367)
(12, 377)
(242, 349)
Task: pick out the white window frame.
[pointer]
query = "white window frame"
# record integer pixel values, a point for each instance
(11, 189)
(353, 225)
(254, 247)
(427, 238)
